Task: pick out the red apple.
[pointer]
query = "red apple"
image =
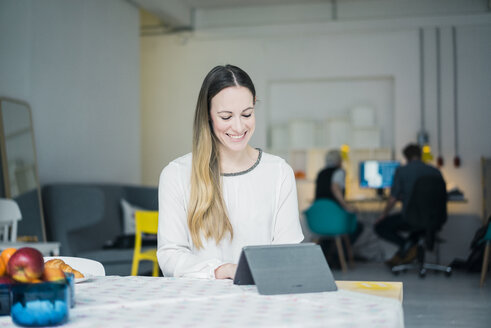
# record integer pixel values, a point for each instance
(53, 274)
(26, 265)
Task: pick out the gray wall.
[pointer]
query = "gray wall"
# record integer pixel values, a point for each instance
(77, 64)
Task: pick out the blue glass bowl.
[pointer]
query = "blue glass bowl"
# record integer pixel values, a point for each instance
(5, 299)
(41, 304)
(70, 278)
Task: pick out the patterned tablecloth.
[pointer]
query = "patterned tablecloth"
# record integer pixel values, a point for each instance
(115, 301)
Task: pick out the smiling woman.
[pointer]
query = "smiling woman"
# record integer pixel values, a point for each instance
(226, 194)
(232, 115)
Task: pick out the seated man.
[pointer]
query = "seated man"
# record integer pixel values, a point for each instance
(330, 184)
(389, 227)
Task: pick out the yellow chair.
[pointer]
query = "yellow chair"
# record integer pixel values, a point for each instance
(146, 222)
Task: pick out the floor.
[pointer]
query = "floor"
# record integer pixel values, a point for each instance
(436, 300)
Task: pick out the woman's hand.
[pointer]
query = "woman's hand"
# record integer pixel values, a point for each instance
(226, 271)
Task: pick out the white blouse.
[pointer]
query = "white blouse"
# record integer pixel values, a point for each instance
(262, 206)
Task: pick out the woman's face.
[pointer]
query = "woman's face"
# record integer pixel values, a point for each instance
(232, 115)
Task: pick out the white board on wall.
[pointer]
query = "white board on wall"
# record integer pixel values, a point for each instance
(338, 132)
(324, 99)
(301, 133)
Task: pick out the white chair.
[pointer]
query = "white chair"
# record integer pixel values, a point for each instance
(87, 267)
(9, 216)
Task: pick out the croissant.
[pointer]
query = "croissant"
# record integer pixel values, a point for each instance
(54, 263)
(58, 263)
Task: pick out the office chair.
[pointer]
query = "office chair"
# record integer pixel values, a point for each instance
(146, 222)
(485, 259)
(9, 215)
(327, 218)
(426, 212)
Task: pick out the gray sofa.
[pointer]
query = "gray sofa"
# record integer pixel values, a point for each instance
(84, 217)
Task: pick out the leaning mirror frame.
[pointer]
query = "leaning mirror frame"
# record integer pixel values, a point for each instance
(19, 176)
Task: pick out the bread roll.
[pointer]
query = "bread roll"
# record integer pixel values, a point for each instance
(54, 263)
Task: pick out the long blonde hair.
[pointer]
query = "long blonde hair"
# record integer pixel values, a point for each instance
(207, 212)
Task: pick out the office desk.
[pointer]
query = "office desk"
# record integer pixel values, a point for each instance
(361, 200)
(115, 301)
(377, 204)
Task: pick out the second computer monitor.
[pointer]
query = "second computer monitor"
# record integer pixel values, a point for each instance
(377, 174)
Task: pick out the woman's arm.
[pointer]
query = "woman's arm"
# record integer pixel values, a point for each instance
(174, 250)
(338, 193)
(337, 184)
(287, 229)
(391, 202)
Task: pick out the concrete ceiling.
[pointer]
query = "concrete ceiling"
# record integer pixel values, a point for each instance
(178, 13)
(242, 3)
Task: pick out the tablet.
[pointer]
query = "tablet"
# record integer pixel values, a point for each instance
(285, 269)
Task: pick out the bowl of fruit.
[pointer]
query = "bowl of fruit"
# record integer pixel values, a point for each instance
(38, 296)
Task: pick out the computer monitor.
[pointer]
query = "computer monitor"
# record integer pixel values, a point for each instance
(377, 174)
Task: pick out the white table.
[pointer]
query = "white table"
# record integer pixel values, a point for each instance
(47, 249)
(171, 302)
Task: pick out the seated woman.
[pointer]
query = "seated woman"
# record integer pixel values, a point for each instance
(225, 194)
(330, 184)
(330, 181)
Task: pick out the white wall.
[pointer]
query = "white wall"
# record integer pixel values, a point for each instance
(178, 71)
(77, 64)
(173, 68)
